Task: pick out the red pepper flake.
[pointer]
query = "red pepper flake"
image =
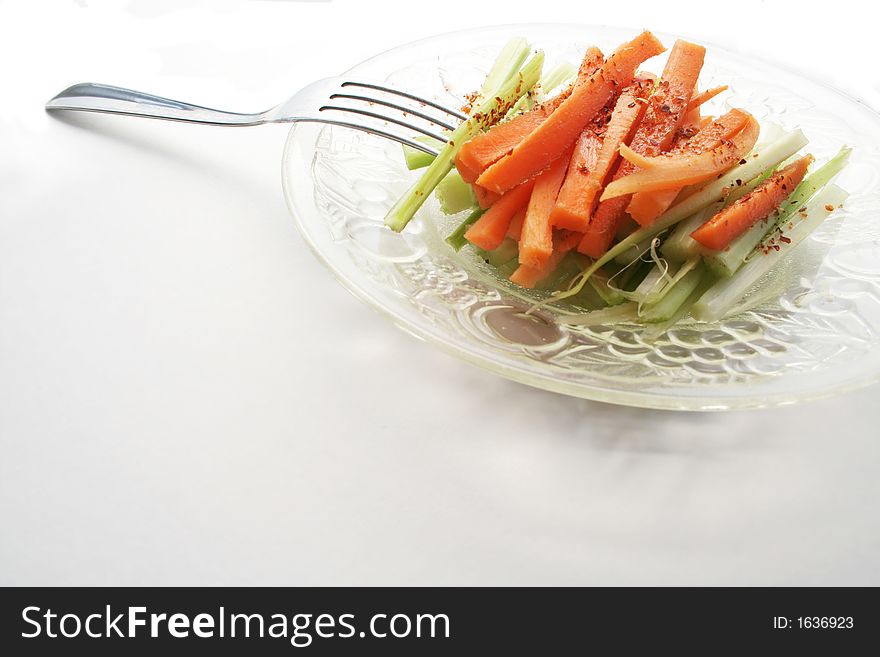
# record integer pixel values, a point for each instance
(785, 239)
(829, 207)
(742, 161)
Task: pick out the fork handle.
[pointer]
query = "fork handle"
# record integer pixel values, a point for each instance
(90, 97)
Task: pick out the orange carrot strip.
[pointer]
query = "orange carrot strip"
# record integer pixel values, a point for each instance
(666, 111)
(644, 207)
(594, 157)
(514, 231)
(742, 214)
(527, 276)
(704, 97)
(570, 210)
(485, 198)
(678, 170)
(486, 148)
(467, 173)
(536, 241)
(562, 128)
(489, 230)
(603, 226)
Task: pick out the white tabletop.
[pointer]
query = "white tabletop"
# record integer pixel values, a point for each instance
(188, 397)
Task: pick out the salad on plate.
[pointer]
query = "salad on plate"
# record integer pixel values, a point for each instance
(608, 186)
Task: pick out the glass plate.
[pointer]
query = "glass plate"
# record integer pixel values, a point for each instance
(810, 329)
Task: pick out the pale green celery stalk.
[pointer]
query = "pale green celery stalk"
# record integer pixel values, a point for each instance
(507, 94)
(725, 294)
(772, 155)
(725, 263)
(508, 62)
(505, 270)
(416, 159)
(654, 331)
(589, 299)
(625, 312)
(656, 285)
(649, 289)
(570, 267)
(558, 75)
(680, 246)
(506, 65)
(454, 194)
(635, 251)
(666, 308)
(561, 74)
(633, 275)
(609, 295)
(508, 250)
(456, 240)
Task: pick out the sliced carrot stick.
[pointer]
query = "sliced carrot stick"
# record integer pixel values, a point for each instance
(527, 276)
(704, 97)
(595, 155)
(536, 241)
(603, 226)
(571, 210)
(562, 128)
(467, 173)
(514, 231)
(486, 148)
(644, 207)
(489, 230)
(742, 214)
(677, 170)
(485, 198)
(666, 111)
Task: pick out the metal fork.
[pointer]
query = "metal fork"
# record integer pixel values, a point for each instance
(325, 101)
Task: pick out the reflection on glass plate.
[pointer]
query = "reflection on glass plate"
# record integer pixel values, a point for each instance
(811, 328)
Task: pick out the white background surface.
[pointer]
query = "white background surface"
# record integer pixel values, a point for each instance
(188, 397)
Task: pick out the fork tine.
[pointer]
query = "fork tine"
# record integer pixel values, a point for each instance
(373, 131)
(382, 117)
(389, 90)
(402, 108)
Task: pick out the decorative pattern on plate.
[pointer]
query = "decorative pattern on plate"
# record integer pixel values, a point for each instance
(818, 314)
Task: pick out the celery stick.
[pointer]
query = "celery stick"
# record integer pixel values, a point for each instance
(456, 240)
(634, 274)
(506, 65)
(505, 95)
(589, 298)
(568, 268)
(610, 296)
(635, 251)
(724, 295)
(455, 194)
(508, 250)
(649, 289)
(505, 270)
(772, 155)
(416, 159)
(725, 263)
(657, 284)
(560, 74)
(680, 246)
(654, 331)
(666, 308)
(625, 312)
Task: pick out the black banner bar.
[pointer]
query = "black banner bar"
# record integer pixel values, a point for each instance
(430, 621)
